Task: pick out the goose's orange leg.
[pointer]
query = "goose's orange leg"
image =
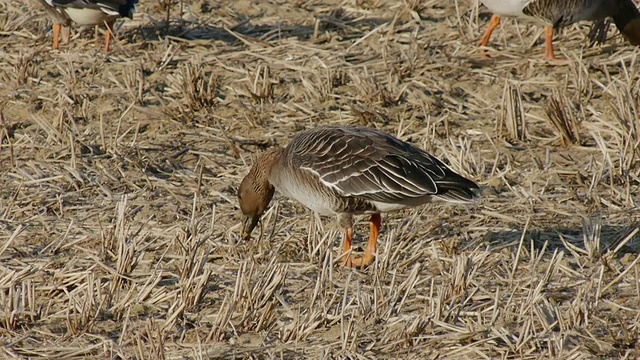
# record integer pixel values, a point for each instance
(375, 222)
(548, 44)
(56, 35)
(109, 35)
(493, 23)
(346, 246)
(372, 245)
(548, 51)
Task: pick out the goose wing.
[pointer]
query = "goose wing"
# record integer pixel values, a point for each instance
(369, 164)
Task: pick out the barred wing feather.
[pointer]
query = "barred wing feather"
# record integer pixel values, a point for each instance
(369, 164)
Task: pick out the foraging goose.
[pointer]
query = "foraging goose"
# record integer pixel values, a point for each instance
(558, 13)
(87, 12)
(346, 171)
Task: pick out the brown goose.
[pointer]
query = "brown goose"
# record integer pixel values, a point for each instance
(558, 13)
(346, 171)
(86, 12)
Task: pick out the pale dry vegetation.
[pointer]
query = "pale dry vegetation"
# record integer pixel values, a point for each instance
(119, 226)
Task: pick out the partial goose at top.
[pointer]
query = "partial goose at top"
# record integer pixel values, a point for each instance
(558, 13)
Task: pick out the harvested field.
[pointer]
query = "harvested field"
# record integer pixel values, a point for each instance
(119, 224)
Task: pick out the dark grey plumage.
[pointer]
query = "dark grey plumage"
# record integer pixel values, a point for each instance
(563, 13)
(366, 163)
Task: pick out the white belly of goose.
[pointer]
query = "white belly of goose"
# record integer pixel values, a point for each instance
(506, 7)
(388, 207)
(89, 16)
(311, 198)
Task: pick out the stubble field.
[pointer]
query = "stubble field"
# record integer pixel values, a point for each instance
(119, 224)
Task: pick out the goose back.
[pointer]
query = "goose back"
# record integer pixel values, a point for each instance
(337, 169)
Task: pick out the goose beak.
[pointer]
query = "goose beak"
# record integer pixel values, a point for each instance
(249, 223)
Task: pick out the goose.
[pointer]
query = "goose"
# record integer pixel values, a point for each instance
(344, 171)
(558, 13)
(86, 12)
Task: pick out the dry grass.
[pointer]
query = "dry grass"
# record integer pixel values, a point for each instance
(119, 227)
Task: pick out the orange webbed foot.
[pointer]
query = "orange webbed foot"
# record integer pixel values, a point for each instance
(369, 253)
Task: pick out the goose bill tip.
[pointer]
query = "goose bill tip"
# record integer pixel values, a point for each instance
(249, 223)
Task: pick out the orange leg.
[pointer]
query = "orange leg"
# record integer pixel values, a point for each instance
(548, 39)
(56, 35)
(346, 246)
(375, 222)
(493, 23)
(548, 52)
(109, 36)
(372, 245)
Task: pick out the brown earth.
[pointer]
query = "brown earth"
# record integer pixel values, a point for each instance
(119, 225)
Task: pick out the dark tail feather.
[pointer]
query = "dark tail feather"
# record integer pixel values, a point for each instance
(628, 20)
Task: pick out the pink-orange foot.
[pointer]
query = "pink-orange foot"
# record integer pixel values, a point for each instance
(109, 36)
(549, 53)
(56, 35)
(372, 245)
(493, 23)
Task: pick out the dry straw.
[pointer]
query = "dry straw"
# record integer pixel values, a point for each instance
(119, 226)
